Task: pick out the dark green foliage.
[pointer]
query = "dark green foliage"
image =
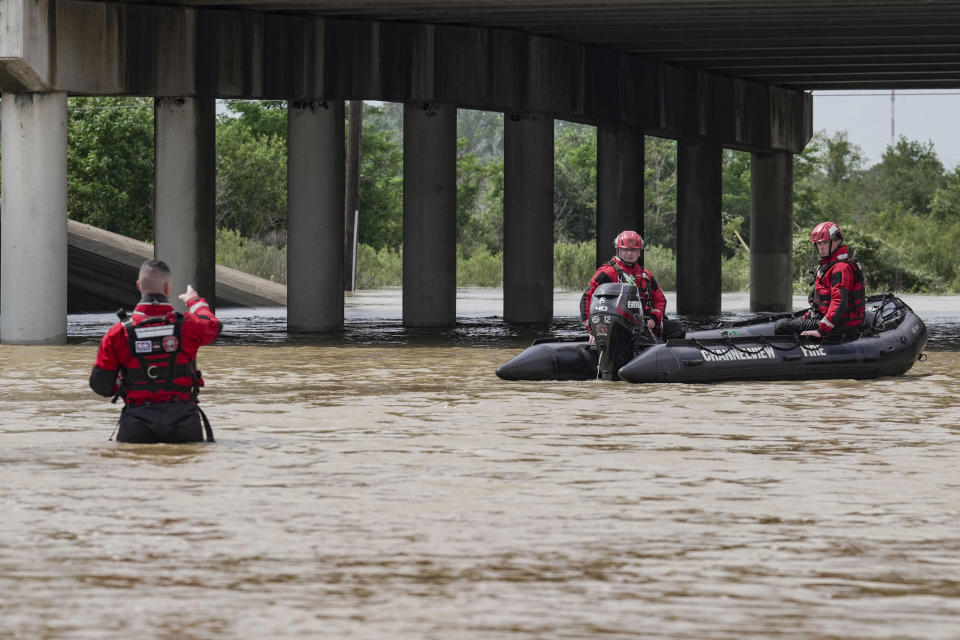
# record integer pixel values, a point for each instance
(908, 175)
(901, 216)
(886, 265)
(264, 117)
(660, 192)
(381, 177)
(251, 256)
(662, 263)
(110, 164)
(573, 265)
(828, 181)
(479, 186)
(479, 203)
(483, 132)
(381, 186)
(384, 116)
(945, 203)
(575, 182)
(252, 170)
(482, 269)
(735, 272)
(377, 269)
(735, 202)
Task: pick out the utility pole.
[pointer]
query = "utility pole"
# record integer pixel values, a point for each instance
(351, 198)
(892, 119)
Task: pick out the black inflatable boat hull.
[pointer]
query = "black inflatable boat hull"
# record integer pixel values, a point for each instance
(890, 353)
(553, 360)
(743, 351)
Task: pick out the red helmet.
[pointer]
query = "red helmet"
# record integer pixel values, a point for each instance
(628, 240)
(826, 231)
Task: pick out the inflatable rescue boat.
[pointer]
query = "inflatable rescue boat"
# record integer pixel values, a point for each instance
(891, 340)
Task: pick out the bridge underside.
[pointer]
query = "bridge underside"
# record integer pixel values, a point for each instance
(187, 57)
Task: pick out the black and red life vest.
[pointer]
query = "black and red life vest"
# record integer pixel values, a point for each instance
(156, 361)
(642, 281)
(849, 309)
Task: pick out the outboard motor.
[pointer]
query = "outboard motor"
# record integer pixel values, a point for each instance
(616, 324)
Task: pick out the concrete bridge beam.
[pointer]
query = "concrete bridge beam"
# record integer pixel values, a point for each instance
(315, 195)
(771, 231)
(92, 47)
(185, 192)
(429, 214)
(699, 226)
(620, 164)
(528, 218)
(33, 219)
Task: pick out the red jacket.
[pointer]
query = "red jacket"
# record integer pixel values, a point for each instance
(838, 294)
(138, 366)
(652, 298)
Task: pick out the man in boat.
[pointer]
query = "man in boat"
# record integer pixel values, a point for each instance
(837, 299)
(149, 359)
(625, 267)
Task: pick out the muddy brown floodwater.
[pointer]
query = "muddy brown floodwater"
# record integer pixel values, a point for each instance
(384, 483)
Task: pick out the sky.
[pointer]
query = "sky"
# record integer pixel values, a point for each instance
(867, 116)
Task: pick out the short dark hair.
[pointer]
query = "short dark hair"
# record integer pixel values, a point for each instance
(155, 265)
(154, 276)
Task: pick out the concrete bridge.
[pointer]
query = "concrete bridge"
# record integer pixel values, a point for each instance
(103, 268)
(711, 75)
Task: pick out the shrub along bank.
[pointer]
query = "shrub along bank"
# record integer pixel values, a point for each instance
(573, 265)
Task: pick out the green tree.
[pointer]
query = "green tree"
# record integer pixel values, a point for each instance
(573, 265)
(263, 118)
(735, 201)
(252, 173)
(381, 187)
(479, 186)
(945, 202)
(901, 216)
(110, 164)
(479, 204)
(486, 221)
(252, 178)
(909, 174)
(828, 181)
(807, 176)
(843, 160)
(483, 132)
(575, 182)
(384, 116)
(660, 192)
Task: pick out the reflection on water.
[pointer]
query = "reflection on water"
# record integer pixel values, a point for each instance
(361, 488)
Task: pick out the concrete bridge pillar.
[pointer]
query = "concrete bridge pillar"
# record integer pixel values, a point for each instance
(771, 231)
(315, 196)
(429, 215)
(699, 226)
(185, 192)
(528, 218)
(620, 165)
(33, 219)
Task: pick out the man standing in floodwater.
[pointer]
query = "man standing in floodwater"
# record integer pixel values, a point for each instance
(149, 359)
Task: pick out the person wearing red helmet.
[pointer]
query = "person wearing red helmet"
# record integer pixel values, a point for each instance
(624, 267)
(149, 359)
(837, 299)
